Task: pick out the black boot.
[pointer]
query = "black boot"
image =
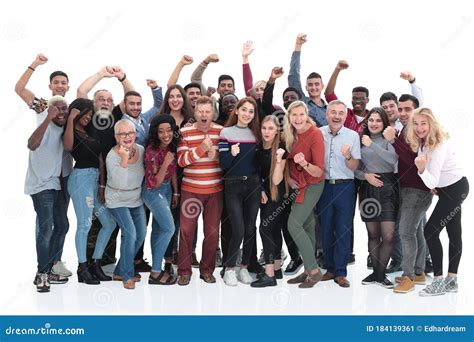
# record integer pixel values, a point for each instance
(96, 270)
(84, 276)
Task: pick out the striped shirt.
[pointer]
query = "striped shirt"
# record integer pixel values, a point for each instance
(201, 175)
(244, 163)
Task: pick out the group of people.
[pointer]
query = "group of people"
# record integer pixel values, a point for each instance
(302, 167)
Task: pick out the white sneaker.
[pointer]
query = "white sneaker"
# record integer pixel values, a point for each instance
(59, 268)
(244, 276)
(230, 279)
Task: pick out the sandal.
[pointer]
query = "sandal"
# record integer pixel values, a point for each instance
(170, 280)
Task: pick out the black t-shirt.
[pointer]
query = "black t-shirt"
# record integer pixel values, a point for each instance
(264, 159)
(86, 151)
(103, 129)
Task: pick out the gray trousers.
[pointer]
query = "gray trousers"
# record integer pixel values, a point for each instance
(413, 205)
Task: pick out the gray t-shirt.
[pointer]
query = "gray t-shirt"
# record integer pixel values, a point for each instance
(379, 157)
(124, 185)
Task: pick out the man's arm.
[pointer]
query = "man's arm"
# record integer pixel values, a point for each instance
(294, 79)
(267, 100)
(86, 86)
(20, 87)
(197, 73)
(35, 139)
(157, 94)
(329, 92)
(126, 84)
(185, 60)
(415, 89)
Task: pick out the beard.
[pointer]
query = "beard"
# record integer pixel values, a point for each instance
(104, 113)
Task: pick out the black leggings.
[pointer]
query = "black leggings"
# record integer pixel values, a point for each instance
(270, 229)
(447, 213)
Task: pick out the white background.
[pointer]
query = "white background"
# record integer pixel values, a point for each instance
(147, 38)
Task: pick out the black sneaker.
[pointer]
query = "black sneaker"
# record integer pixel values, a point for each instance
(352, 259)
(56, 278)
(264, 281)
(395, 266)
(428, 266)
(385, 283)
(370, 279)
(142, 266)
(369, 262)
(294, 266)
(42, 282)
(277, 274)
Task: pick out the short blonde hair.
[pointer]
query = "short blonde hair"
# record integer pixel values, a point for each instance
(435, 136)
(123, 122)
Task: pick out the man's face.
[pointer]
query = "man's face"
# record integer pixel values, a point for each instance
(59, 85)
(390, 107)
(405, 110)
(193, 94)
(103, 102)
(314, 87)
(226, 87)
(61, 117)
(359, 101)
(229, 102)
(336, 115)
(133, 106)
(203, 116)
(289, 97)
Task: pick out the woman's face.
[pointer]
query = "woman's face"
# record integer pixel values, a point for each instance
(125, 136)
(229, 103)
(269, 131)
(85, 119)
(298, 118)
(421, 126)
(245, 114)
(165, 134)
(175, 100)
(375, 123)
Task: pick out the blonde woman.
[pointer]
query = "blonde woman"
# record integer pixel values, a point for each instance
(305, 144)
(440, 171)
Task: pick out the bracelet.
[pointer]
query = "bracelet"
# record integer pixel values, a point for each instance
(412, 81)
(124, 77)
(102, 186)
(176, 194)
(350, 157)
(304, 167)
(31, 68)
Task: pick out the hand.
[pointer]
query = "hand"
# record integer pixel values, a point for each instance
(123, 152)
(73, 114)
(263, 198)
(279, 154)
(373, 179)
(366, 141)
(210, 91)
(293, 184)
(276, 72)
(174, 201)
(186, 60)
(212, 154)
(106, 72)
(346, 150)
(247, 49)
(52, 112)
(212, 58)
(118, 72)
(101, 195)
(342, 65)
(421, 162)
(300, 159)
(235, 149)
(40, 59)
(152, 84)
(407, 76)
(301, 39)
(389, 133)
(169, 157)
(206, 144)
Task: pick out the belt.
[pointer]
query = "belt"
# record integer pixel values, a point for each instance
(123, 189)
(338, 181)
(243, 178)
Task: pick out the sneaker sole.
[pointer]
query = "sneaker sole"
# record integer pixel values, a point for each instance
(431, 294)
(404, 291)
(42, 290)
(385, 286)
(67, 275)
(368, 282)
(293, 272)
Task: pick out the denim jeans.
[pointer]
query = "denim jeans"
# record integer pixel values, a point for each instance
(162, 228)
(132, 222)
(52, 226)
(84, 185)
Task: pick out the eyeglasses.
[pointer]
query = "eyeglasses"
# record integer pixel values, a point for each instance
(126, 134)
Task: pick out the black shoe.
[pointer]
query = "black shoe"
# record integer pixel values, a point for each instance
(386, 283)
(222, 272)
(84, 275)
(277, 274)
(294, 266)
(169, 268)
(142, 266)
(321, 262)
(42, 283)
(264, 281)
(255, 268)
(56, 278)
(395, 266)
(351, 260)
(370, 279)
(96, 271)
(369, 262)
(428, 266)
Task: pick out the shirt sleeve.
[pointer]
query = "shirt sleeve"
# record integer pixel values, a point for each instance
(294, 79)
(225, 157)
(188, 155)
(432, 172)
(248, 79)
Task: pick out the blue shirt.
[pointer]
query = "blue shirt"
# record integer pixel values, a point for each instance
(334, 162)
(244, 163)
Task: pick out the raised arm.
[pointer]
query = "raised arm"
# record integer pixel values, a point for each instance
(267, 99)
(415, 89)
(157, 94)
(341, 65)
(68, 137)
(196, 76)
(247, 49)
(185, 60)
(35, 139)
(294, 78)
(20, 87)
(86, 86)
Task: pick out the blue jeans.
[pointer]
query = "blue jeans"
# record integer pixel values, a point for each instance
(52, 226)
(84, 185)
(132, 222)
(336, 206)
(158, 201)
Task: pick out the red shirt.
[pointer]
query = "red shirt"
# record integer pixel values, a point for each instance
(153, 160)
